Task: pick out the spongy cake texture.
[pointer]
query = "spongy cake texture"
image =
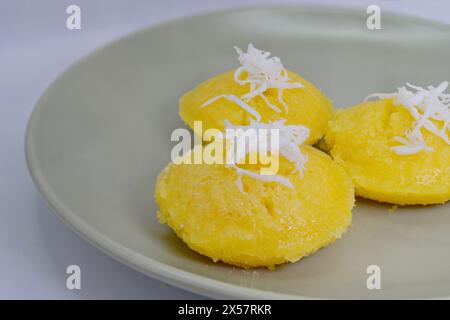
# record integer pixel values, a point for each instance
(359, 138)
(267, 225)
(306, 106)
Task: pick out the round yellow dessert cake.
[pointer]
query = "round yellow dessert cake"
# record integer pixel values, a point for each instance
(306, 106)
(360, 139)
(265, 225)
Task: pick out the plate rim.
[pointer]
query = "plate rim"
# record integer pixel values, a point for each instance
(186, 280)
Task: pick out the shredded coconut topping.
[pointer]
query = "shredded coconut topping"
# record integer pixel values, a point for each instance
(238, 101)
(290, 138)
(425, 105)
(267, 178)
(263, 73)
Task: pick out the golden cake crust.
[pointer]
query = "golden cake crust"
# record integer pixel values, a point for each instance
(269, 224)
(359, 138)
(307, 105)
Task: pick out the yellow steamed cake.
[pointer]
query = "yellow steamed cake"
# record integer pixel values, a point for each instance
(360, 139)
(307, 106)
(269, 223)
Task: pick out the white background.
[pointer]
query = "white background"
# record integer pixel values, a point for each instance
(35, 46)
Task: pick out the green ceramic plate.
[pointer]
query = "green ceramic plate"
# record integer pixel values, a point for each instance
(101, 133)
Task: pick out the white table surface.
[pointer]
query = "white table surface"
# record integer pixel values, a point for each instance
(35, 46)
